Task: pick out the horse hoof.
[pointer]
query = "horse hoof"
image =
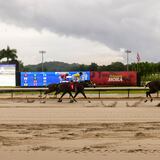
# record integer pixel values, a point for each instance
(151, 100)
(145, 101)
(71, 101)
(59, 100)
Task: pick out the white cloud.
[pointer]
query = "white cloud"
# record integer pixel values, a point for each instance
(92, 28)
(29, 42)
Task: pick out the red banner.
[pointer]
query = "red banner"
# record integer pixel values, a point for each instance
(114, 78)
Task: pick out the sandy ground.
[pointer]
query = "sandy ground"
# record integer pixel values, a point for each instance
(103, 129)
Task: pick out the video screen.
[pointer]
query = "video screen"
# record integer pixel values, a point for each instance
(41, 79)
(8, 75)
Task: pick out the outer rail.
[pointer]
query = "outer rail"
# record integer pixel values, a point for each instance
(97, 89)
(128, 89)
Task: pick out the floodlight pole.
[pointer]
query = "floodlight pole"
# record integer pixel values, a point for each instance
(42, 52)
(127, 51)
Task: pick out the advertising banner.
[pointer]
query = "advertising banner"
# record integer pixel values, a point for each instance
(114, 78)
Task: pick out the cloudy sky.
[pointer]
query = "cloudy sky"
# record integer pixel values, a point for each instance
(81, 31)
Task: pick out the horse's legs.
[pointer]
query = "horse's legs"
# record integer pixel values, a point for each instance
(72, 96)
(60, 99)
(44, 96)
(46, 93)
(76, 94)
(148, 93)
(82, 94)
(85, 96)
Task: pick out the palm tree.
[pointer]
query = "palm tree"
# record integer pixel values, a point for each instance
(8, 53)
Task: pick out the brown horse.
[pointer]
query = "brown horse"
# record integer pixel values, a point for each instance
(154, 86)
(69, 87)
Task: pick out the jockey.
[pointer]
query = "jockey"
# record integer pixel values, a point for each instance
(77, 77)
(63, 77)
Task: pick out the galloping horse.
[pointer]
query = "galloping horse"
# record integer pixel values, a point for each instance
(69, 87)
(154, 86)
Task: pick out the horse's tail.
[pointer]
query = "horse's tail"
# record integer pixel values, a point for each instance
(51, 88)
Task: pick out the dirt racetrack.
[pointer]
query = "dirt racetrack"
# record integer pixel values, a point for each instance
(102, 129)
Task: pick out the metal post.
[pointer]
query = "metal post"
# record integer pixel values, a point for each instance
(99, 94)
(128, 92)
(128, 51)
(42, 52)
(11, 94)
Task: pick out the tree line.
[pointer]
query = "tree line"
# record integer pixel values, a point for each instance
(146, 70)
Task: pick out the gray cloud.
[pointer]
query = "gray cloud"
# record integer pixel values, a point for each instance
(131, 24)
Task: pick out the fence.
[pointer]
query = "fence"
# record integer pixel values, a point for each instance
(110, 89)
(97, 89)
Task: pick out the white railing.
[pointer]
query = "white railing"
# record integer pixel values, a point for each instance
(97, 89)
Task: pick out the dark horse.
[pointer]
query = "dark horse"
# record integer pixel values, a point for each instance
(154, 86)
(69, 87)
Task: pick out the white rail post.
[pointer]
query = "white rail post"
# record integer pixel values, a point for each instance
(99, 94)
(128, 93)
(11, 94)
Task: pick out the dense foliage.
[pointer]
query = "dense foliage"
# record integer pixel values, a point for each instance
(9, 54)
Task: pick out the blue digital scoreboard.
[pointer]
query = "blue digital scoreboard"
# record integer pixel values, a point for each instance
(42, 79)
